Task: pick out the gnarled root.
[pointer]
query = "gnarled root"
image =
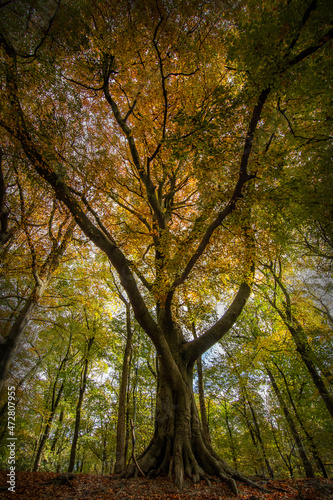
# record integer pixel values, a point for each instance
(217, 467)
(180, 454)
(183, 459)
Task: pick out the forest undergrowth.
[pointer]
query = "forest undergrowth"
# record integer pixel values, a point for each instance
(39, 485)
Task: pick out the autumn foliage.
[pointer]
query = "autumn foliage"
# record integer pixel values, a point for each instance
(166, 238)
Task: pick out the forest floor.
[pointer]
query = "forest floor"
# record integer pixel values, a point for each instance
(40, 485)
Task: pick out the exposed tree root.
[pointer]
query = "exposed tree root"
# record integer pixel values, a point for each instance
(62, 479)
(184, 461)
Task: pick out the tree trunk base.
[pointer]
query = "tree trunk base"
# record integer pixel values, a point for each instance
(180, 461)
(178, 448)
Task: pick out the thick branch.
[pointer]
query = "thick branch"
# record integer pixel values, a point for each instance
(244, 176)
(311, 50)
(200, 345)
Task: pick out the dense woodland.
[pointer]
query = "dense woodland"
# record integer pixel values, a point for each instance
(166, 237)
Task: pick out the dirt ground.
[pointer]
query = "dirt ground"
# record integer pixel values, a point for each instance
(45, 485)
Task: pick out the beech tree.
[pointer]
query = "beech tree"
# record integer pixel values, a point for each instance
(184, 129)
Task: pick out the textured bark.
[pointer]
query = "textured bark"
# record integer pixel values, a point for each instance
(178, 447)
(203, 413)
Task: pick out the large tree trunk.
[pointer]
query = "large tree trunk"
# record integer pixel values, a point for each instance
(178, 447)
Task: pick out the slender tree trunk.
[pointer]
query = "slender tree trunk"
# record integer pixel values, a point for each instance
(286, 461)
(302, 453)
(302, 345)
(232, 443)
(203, 413)
(47, 428)
(305, 352)
(121, 422)
(127, 436)
(248, 423)
(56, 435)
(253, 434)
(83, 385)
(310, 439)
(104, 454)
(258, 433)
(54, 406)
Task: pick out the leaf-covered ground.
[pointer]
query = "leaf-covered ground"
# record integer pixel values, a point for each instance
(38, 485)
